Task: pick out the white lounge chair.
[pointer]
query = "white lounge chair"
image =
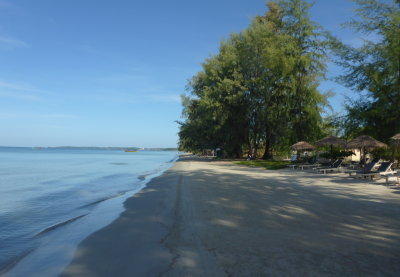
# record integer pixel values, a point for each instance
(335, 167)
(385, 169)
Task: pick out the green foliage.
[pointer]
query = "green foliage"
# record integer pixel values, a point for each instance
(260, 90)
(336, 154)
(373, 70)
(385, 154)
(272, 165)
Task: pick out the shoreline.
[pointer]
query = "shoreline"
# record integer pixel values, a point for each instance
(153, 219)
(35, 258)
(214, 218)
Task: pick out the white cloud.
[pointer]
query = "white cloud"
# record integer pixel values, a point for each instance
(17, 86)
(19, 91)
(18, 95)
(11, 43)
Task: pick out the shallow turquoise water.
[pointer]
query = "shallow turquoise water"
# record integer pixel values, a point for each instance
(40, 190)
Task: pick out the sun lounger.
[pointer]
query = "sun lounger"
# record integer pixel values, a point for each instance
(368, 168)
(305, 166)
(392, 178)
(302, 166)
(326, 166)
(383, 170)
(336, 166)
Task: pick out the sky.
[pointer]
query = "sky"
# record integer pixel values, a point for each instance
(110, 73)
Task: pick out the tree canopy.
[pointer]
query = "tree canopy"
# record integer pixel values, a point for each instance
(260, 92)
(373, 70)
(261, 89)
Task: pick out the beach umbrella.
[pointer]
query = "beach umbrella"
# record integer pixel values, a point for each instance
(302, 146)
(365, 142)
(395, 141)
(332, 141)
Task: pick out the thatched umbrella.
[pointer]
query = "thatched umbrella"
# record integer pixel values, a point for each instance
(332, 141)
(302, 146)
(365, 142)
(395, 141)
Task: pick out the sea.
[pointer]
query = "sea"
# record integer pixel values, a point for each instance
(52, 198)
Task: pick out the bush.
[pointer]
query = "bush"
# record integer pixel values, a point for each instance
(385, 154)
(336, 154)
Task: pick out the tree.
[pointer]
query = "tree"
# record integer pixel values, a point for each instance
(298, 64)
(215, 115)
(260, 90)
(373, 70)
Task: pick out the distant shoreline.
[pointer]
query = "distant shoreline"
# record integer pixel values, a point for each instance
(94, 148)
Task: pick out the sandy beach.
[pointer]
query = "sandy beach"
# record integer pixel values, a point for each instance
(215, 218)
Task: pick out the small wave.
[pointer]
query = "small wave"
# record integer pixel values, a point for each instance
(103, 199)
(148, 173)
(51, 228)
(119, 163)
(114, 177)
(14, 261)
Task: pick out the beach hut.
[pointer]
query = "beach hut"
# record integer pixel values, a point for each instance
(332, 141)
(365, 143)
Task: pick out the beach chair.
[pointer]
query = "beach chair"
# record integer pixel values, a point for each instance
(303, 166)
(307, 166)
(385, 169)
(368, 168)
(292, 166)
(326, 166)
(310, 163)
(395, 179)
(335, 167)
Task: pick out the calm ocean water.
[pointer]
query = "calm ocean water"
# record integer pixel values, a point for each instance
(51, 199)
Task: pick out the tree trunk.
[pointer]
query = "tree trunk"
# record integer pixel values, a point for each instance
(267, 153)
(250, 150)
(394, 153)
(255, 150)
(238, 152)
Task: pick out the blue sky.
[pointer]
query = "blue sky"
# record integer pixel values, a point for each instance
(109, 73)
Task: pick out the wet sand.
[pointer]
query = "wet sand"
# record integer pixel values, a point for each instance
(214, 218)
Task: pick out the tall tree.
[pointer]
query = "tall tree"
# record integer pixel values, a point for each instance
(297, 70)
(309, 67)
(260, 90)
(261, 59)
(219, 95)
(373, 70)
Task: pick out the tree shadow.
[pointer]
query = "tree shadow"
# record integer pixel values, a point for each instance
(220, 217)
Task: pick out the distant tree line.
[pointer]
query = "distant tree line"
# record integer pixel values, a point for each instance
(260, 92)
